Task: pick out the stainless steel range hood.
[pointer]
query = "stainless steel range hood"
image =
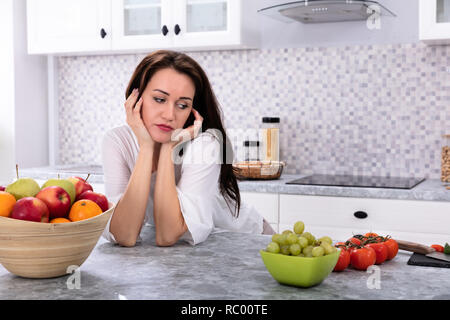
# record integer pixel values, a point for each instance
(320, 11)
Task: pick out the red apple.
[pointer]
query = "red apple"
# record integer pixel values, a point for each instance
(80, 186)
(98, 198)
(2, 188)
(57, 200)
(31, 209)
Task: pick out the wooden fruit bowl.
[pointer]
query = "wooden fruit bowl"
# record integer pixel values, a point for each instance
(258, 170)
(45, 250)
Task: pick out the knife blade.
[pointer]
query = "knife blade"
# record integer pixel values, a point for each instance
(439, 256)
(422, 249)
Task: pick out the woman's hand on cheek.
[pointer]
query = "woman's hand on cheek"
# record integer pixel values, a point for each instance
(134, 120)
(191, 132)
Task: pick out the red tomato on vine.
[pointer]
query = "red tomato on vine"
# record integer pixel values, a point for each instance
(362, 258)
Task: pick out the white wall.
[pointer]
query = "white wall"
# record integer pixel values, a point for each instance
(31, 111)
(7, 150)
(23, 88)
(401, 29)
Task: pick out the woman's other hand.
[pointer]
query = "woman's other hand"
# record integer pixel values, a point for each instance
(134, 120)
(182, 135)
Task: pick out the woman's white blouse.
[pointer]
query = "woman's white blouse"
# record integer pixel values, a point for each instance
(197, 171)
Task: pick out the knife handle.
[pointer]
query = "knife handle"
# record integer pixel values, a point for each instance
(414, 247)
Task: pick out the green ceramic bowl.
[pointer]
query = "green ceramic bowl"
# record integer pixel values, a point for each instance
(299, 271)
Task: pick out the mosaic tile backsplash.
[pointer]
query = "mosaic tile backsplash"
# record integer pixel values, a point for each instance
(362, 110)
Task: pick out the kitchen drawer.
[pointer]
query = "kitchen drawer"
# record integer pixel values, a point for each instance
(265, 203)
(383, 215)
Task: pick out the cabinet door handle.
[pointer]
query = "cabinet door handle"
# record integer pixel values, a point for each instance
(103, 33)
(177, 29)
(165, 30)
(360, 214)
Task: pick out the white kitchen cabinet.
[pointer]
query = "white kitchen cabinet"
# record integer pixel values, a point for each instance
(139, 24)
(265, 203)
(67, 26)
(434, 21)
(419, 221)
(184, 24)
(130, 26)
(215, 24)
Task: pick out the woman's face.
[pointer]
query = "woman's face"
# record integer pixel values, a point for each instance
(167, 100)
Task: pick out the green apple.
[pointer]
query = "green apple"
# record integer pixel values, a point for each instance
(63, 183)
(23, 187)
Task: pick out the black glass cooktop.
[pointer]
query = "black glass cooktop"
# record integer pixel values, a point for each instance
(358, 181)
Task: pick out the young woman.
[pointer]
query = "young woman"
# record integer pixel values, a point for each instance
(171, 164)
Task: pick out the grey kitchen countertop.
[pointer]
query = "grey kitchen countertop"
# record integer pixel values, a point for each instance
(226, 266)
(428, 190)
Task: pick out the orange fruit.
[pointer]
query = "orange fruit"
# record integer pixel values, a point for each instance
(84, 209)
(60, 220)
(7, 202)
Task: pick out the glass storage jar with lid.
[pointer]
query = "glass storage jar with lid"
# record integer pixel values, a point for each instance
(251, 149)
(445, 161)
(270, 138)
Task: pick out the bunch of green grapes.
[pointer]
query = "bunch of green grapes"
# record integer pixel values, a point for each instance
(300, 243)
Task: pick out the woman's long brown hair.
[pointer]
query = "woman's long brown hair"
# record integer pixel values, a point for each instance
(205, 102)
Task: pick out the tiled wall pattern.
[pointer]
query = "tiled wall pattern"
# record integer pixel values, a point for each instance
(368, 110)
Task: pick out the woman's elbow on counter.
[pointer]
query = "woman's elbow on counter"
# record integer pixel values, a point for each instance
(126, 241)
(165, 242)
